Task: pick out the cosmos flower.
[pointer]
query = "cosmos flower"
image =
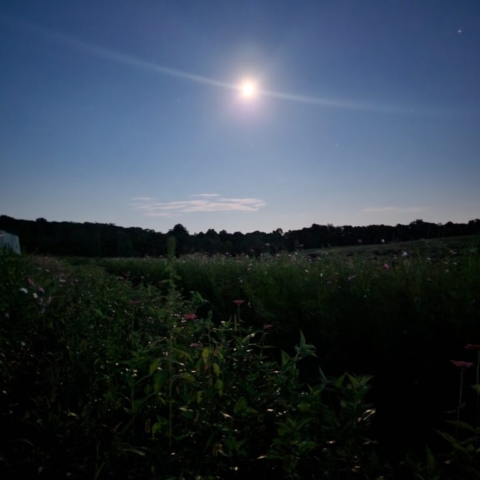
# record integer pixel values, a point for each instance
(461, 364)
(386, 266)
(189, 316)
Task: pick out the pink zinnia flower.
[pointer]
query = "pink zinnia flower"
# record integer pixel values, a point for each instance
(238, 302)
(461, 363)
(469, 346)
(189, 316)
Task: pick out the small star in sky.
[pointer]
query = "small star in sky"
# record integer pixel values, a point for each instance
(459, 31)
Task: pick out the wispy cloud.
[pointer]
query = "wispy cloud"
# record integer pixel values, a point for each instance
(394, 209)
(142, 199)
(134, 62)
(209, 202)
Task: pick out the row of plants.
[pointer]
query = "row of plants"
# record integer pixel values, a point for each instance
(399, 316)
(100, 379)
(186, 368)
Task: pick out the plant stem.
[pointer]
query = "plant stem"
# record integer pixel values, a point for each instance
(476, 385)
(459, 400)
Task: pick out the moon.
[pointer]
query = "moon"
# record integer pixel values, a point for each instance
(248, 89)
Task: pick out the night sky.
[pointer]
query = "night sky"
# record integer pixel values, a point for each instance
(133, 112)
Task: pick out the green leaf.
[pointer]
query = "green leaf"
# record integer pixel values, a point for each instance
(216, 369)
(188, 377)
(453, 441)
(285, 358)
(99, 313)
(464, 425)
(302, 340)
(240, 405)
(431, 462)
(354, 381)
(304, 407)
(156, 427)
(154, 366)
(158, 380)
(219, 387)
(205, 354)
(338, 382)
(182, 353)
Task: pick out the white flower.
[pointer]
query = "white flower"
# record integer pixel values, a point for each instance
(24, 290)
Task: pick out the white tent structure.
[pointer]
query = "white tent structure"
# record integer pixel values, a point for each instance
(9, 243)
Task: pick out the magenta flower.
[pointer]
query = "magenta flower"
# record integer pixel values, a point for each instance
(238, 302)
(195, 345)
(30, 282)
(41, 289)
(461, 364)
(386, 266)
(189, 316)
(469, 346)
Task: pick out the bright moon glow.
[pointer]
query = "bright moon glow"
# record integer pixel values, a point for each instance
(248, 89)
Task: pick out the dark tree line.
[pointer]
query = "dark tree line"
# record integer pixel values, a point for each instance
(108, 240)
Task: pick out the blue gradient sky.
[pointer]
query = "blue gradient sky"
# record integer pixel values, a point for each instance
(128, 112)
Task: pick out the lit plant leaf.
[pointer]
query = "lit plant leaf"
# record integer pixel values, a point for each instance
(154, 365)
(240, 406)
(219, 387)
(304, 407)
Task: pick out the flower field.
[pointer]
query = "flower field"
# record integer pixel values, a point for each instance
(333, 365)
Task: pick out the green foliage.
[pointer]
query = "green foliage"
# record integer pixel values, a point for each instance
(129, 382)
(147, 368)
(463, 459)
